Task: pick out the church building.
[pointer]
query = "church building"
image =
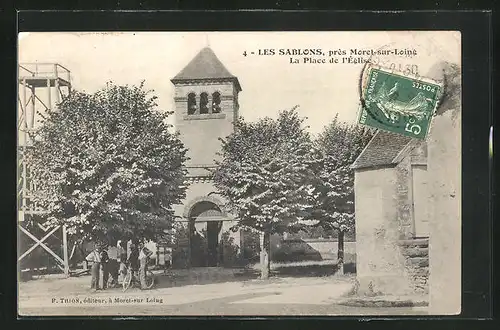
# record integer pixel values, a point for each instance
(206, 106)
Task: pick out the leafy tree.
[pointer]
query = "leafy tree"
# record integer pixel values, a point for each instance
(106, 166)
(264, 174)
(340, 144)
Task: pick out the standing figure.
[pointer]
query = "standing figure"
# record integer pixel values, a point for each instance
(144, 255)
(133, 258)
(95, 258)
(168, 259)
(104, 267)
(122, 259)
(113, 264)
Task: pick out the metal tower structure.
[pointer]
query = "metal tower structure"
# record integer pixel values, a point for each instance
(42, 86)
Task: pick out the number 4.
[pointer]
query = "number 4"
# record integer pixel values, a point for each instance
(245, 53)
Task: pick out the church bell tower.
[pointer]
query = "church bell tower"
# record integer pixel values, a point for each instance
(206, 106)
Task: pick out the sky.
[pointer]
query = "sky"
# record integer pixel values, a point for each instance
(269, 83)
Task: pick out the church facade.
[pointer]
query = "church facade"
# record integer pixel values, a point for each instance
(206, 106)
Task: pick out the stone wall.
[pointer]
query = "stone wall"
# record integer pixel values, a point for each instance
(404, 198)
(380, 261)
(416, 252)
(416, 154)
(326, 249)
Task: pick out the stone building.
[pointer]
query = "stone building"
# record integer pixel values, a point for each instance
(206, 106)
(392, 214)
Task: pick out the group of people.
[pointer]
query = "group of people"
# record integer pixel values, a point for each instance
(114, 261)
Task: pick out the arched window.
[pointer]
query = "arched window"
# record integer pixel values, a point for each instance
(203, 103)
(216, 102)
(191, 104)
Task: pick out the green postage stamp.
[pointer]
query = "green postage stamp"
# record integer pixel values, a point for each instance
(398, 103)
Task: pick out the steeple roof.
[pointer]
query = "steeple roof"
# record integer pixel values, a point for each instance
(205, 66)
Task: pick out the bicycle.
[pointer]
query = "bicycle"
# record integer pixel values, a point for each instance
(131, 279)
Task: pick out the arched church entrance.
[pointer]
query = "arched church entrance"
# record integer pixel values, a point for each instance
(205, 224)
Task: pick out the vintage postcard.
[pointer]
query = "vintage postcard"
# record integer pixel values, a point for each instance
(239, 173)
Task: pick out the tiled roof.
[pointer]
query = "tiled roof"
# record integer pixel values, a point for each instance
(382, 150)
(205, 65)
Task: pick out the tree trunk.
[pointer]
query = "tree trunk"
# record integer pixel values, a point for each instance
(265, 260)
(268, 245)
(340, 254)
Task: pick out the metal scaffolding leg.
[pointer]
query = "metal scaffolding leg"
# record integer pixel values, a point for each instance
(39, 80)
